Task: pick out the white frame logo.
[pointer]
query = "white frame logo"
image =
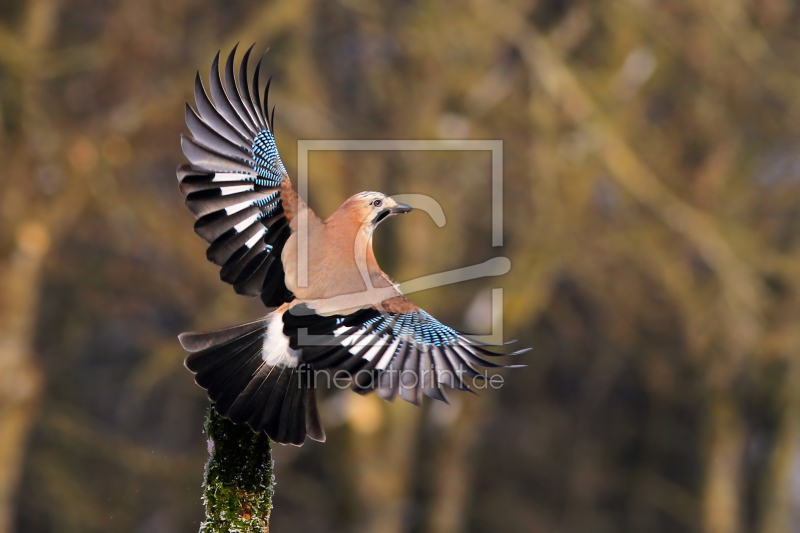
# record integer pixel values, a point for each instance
(497, 266)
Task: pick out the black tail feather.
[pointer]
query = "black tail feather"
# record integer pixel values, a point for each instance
(289, 426)
(231, 381)
(195, 342)
(247, 403)
(270, 420)
(313, 424)
(209, 363)
(277, 400)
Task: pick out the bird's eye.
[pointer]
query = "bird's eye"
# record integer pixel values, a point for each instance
(377, 203)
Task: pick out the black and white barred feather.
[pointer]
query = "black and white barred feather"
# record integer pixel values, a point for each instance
(410, 354)
(233, 182)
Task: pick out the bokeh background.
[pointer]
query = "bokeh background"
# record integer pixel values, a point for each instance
(652, 209)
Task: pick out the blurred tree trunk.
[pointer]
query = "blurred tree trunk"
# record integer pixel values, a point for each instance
(30, 221)
(778, 505)
(382, 461)
(455, 467)
(20, 377)
(721, 497)
(238, 485)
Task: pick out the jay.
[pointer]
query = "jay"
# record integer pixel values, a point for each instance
(336, 310)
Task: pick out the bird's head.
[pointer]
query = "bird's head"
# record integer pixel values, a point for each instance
(373, 207)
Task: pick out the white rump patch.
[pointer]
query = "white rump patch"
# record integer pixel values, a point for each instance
(276, 351)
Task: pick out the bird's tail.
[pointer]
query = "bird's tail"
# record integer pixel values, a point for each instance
(253, 378)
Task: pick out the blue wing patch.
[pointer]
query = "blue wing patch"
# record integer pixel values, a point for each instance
(268, 164)
(419, 325)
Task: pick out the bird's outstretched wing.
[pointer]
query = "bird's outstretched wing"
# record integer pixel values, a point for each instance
(236, 184)
(399, 349)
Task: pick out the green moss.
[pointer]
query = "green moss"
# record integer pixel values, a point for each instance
(238, 485)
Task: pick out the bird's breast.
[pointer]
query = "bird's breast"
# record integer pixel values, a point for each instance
(330, 267)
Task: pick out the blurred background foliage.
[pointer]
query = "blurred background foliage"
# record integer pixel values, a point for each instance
(652, 202)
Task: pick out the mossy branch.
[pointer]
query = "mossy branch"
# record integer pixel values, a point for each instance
(238, 485)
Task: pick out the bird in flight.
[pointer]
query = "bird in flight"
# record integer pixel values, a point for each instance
(330, 306)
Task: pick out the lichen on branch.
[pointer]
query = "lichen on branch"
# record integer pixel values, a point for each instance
(239, 483)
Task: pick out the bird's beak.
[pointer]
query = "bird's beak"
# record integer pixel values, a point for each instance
(399, 209)
(391, 210)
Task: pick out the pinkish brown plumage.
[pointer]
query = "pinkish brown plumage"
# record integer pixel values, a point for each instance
(341, 262)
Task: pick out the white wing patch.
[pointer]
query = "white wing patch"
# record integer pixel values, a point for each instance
(370, 355)
(225, 191)
(254, 239)
(348, 340)
(360, 344)
(235, 208)
(228, 176)
(387, 357)
(244, 224)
